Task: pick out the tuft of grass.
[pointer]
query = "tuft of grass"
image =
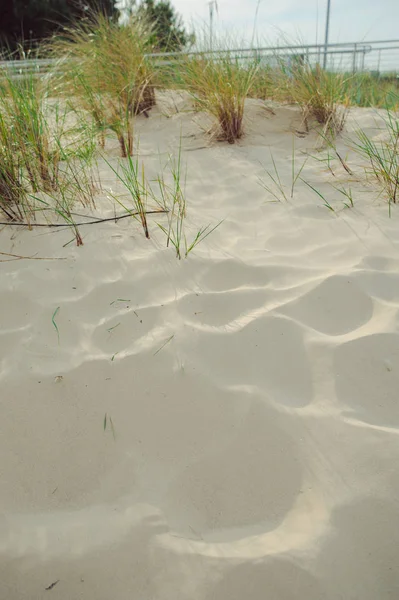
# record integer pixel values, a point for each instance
(219, 84)
(111, 77)
(44, 163)
(13, 196)
(322, 95)
(276, 181)
(383, 157)
(277, 190)
(264, 82)
(359, 89)
(172, 201)
(349, 203)
(202, 233)
(373, 89)
(134, 180)
(29, 161)
(22, 104)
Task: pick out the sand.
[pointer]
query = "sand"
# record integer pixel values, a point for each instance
(255, 454)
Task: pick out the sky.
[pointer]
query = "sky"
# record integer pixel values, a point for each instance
(299, 20)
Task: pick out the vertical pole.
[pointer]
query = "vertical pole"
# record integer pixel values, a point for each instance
(354, 59)
(363, 57)
(213, 5)
(255, 20)
(379, 61)
(211, 25)
(326, 35)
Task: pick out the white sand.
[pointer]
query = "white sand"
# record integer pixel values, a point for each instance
(256, 455)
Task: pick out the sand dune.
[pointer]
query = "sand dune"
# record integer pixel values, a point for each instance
(251, 391)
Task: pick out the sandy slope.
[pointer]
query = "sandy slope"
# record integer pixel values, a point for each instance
(255, 456)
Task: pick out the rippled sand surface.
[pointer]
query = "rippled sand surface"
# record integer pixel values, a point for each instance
(254, 455)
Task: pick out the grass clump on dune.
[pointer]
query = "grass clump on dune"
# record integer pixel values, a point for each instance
(172, 200)
(372, 89)
(320, 94)
(12, 192)
(266, 83)
(219, 84)
(319, 91)
(383, 157)
(22, 105)
(111, 78)
(43, 167)
(29, 160)
(323, 96)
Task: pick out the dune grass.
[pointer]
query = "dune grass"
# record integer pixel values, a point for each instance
(28, 160)
(382, 156)
(373, 90)
(166, 196)
(219, 83)
(110, 76)
(29, 163)
(348, 195)
(12, 192)
(133, 178)
(172, 200)
(43, 161)
(264, 83)
(47, 144)
(321, 96)
(276, 188)
(359, 89)
(49, 125)
(46, 152)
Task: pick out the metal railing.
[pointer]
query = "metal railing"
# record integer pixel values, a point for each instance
(272, 55)
(377, 56)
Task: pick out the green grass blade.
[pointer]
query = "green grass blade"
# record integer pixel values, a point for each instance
(55, 324)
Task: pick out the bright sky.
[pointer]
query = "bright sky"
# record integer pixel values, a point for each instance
(351, 20)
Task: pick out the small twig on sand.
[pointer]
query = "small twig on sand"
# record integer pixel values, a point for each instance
(50, 587)
(117, 218)
(18, 257)
(163, 345)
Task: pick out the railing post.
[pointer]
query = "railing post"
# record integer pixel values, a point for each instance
(326, 35)
(363, 57)
(354, 59)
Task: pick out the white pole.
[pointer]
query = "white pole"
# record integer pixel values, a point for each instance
(211, 24)
(255, 19)
(326, 36)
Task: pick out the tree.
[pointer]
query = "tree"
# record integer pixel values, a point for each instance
(169, 32)
(26, 22)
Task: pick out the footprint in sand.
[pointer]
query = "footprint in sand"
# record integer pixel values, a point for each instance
(253, 478)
